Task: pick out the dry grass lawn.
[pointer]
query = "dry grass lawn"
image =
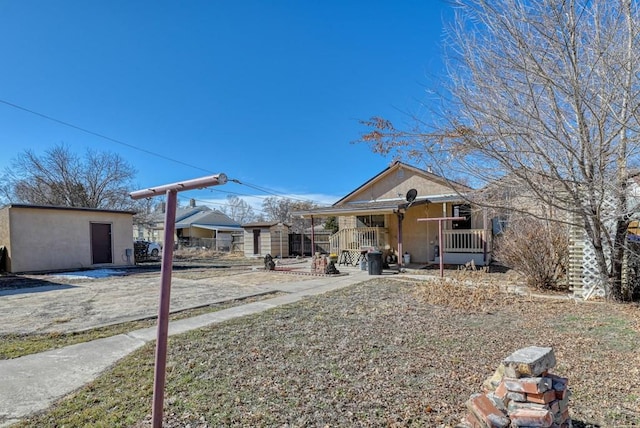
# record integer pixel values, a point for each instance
(381, 353)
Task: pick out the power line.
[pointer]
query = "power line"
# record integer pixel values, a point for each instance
(149, 152)
(96, 134)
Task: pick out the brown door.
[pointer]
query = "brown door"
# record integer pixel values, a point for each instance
(101, 243)
(256, 241)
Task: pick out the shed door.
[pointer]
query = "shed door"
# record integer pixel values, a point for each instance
(256, 241)
(101, 243)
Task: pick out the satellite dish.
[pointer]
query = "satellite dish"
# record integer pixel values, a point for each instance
(411, 195)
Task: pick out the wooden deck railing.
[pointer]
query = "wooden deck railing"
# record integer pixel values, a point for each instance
(465, 241)
(454, 241)
(357, 238)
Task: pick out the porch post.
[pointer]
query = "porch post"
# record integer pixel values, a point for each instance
(444, 214)
(485, 226)
(400, 258)
(441, 248)
(302, 239)
(313, 238)
(440, 240)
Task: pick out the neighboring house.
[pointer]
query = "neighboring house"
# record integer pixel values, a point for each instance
(47, 238)
(195, 226)
(262, 238)
(207, 228)
(516, 202)
(377, 215)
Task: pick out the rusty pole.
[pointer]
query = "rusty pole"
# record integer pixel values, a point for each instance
(163, 309)
(171, 190)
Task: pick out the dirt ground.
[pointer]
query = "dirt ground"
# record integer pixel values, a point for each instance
(64, 302)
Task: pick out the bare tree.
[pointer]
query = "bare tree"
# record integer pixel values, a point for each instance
(62, 178)
(543, 94)
(281, 209)
(238, 209)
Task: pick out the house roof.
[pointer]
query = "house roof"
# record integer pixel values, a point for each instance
(263, 224)
(181, 213)
(395, 166)
(208, 219)
(61, 208)
(348, 206)
(377, 207)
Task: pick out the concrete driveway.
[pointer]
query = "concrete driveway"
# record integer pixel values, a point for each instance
(68, 303)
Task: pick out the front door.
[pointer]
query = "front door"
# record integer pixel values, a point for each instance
(101, 243)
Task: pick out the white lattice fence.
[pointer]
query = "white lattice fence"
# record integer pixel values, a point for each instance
(585, 279)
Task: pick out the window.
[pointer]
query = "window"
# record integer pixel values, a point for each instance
(370, 221)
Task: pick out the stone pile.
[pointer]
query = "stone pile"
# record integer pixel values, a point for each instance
(522, 393)
(319, 263)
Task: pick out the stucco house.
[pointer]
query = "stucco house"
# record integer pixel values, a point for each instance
(47, 238)
(269, 237)
(389, 212)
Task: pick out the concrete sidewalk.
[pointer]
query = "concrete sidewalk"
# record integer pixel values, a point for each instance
(32, 383)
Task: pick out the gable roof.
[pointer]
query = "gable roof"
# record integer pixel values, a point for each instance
(395, 167)
(393, 200)
(208, 219)
(262, 224)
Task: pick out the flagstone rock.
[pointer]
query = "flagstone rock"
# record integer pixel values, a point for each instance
(522, 393)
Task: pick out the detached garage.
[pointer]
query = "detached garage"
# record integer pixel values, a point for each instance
(45, 238)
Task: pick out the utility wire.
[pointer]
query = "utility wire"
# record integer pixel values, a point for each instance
(149, 152)
(96, 134)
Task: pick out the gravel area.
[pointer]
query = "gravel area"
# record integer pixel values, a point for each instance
(397, 352)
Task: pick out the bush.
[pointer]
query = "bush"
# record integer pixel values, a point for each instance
(538, 249)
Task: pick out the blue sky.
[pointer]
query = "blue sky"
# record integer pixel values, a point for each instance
(268, 92)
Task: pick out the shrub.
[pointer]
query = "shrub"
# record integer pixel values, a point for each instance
(537, 249)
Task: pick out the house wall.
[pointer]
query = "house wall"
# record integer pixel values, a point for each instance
(265, 242)
(276, 249)
(397, 185)
(420, 238)
(197, 232)
(269, 242)
(44, 239)
(347, 222)
(4, 236)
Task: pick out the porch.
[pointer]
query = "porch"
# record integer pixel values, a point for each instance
(460, 246)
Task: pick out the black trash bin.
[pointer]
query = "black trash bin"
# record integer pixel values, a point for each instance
(374, 260)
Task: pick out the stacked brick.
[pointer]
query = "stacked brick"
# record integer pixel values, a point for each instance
(522, 393)
(319, 263)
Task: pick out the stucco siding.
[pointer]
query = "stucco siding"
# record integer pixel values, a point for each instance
(419, 238)
(397, 185)
(264, 244)
(53, 239)
(5, 234)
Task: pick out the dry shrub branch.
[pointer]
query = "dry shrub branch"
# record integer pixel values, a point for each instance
(537, 249)
(465, 297)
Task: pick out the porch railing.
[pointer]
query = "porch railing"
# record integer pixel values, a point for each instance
(357, 238)
(465, 241)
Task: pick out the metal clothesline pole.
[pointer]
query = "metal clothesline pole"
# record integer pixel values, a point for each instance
(171, 192)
